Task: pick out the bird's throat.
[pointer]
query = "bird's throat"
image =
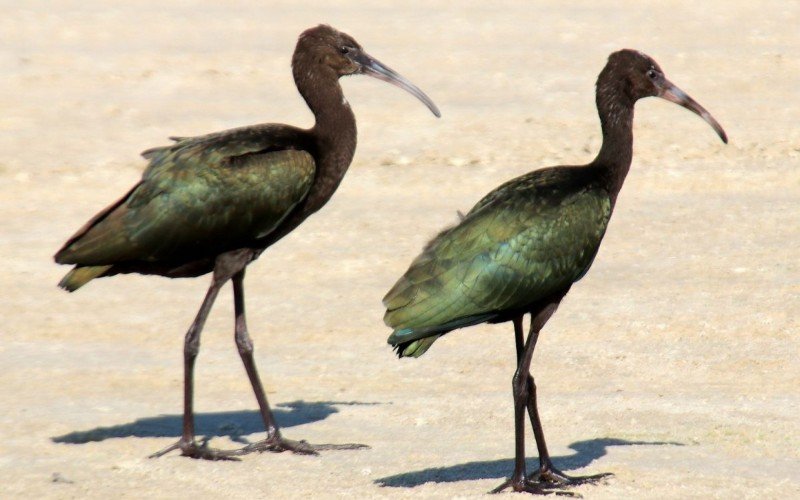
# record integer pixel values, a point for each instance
(334, 133)
(616, 153)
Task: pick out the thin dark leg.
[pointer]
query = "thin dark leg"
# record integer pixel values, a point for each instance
(245, 345)
(191, 347)
(519, 480)
(225, 266)
(274, 442)
(538, 434)
(547, 473)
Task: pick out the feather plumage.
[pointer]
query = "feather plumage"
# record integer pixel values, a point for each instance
(199, 197)
(525, 240)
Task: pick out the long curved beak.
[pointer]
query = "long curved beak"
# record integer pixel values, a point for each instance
(372, 67)
(673, 94)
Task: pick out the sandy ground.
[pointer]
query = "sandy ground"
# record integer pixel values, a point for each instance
(673, 364)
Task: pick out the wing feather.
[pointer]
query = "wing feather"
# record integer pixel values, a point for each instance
(527, 239)
(200, 196)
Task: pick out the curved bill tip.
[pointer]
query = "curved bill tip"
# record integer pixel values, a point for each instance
(673, 94)
(372, 67)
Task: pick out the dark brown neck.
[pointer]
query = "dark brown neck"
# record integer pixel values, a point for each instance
(334, 130)
(616, 119)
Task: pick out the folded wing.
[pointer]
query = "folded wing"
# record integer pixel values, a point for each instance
(199, 197)
(526, 240)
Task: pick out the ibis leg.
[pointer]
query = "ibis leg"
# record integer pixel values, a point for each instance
(225, 266)
(274, 441)
(519, 480)
(547, 473)
(191, 346)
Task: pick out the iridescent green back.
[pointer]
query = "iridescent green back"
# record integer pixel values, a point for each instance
(526, 240)
(200, 196)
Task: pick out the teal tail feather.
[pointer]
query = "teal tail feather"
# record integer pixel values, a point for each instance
(414, 342)
(80, 275)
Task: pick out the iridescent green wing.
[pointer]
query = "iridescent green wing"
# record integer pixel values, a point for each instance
(540, 184)
(524, 241)
(198, 197)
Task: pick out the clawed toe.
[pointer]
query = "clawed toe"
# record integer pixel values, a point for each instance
(525, 485)
(280, 444)
(199, 451)
(549, 481)
(275, 444)
(556, 477)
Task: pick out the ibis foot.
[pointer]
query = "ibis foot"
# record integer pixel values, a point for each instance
(199, 451)
(278, 444)
(552, 476)
(525, 485)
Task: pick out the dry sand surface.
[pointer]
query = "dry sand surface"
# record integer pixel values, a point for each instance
(673, 364)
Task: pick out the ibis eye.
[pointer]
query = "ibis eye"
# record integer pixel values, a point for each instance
(652, 74)
(345, 50)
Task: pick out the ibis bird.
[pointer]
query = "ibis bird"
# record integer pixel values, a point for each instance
(521, 248)
(214, 203)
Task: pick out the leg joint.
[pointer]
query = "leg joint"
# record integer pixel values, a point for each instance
(191, 349)
(519, 388)
(191, 345)
(531, 385)
(244, 344)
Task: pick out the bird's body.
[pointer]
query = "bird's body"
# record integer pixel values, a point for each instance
(199, 198)
(529, 238)
(523, 246)
(214, 203)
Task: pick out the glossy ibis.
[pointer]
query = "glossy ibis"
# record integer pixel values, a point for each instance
(213, 203)
(520, 249)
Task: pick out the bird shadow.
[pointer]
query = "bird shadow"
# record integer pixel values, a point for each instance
(586, 452)
(233, 424)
